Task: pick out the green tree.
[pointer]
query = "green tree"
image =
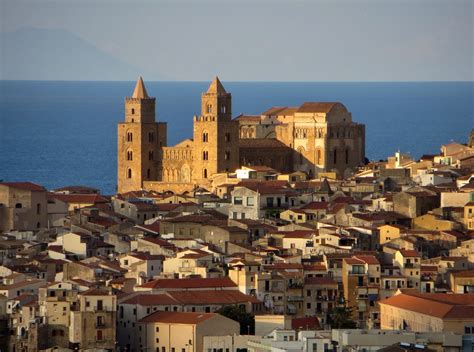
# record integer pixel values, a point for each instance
(341, 317)
(246, 320)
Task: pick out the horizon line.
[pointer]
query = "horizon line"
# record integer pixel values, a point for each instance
(240, 81)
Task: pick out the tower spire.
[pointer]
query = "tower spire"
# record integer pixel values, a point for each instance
(216, 87)
(140, 90)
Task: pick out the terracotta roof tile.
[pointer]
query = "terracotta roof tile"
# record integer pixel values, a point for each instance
(190, 283)
(27, 186)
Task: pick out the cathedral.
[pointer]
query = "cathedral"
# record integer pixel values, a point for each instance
(313, 138)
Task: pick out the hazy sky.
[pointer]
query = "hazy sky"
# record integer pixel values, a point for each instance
(263, 40)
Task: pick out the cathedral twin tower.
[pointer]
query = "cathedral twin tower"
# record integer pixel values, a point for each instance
(144, 159)
(313, 138)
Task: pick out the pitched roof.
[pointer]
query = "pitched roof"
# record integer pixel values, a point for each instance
(305, 323)
(190, 283)
(177, 318)
(206, 297)
(140, 90)
(440, 305)
(216, 87)
(79, 198)
(409, 253)
(316, 205)
(316, 107)
(27, 186)
(96, 292)
(151, 300)
(274, 110)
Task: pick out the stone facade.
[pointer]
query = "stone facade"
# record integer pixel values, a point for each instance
(312, 138)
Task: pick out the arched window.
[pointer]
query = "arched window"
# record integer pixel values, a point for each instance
(205, 155)
(209, 108)
(133, 111)
(129, 137)
(227, 155)
(151, 137)
(347, 155)
(38, 209)
(335, 156)
(150, 155)
(204, 173)
(205, 137)
(129, 173)
(18, 205)
(129, 155)
(223, 109)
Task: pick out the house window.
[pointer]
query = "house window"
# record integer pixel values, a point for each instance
(227, 155)
(151, 155)
(129, 155)
(148, 173)
(227, 137)
(347, 155)
(223, 109)
(209, 108)
(133, 111)
(38, 208)
(335, 156)
(269, 202)
(250, 201)
(151, 137)
(129, 173)
(99, 335)
(205, 137)
(238, 200)
(204, 173)
(129, 137)
(205, 155)
(18, 205)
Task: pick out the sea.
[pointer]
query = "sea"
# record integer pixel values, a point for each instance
(60, 133)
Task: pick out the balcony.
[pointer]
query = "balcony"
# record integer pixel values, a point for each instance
(295, 299)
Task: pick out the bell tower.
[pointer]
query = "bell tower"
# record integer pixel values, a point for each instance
(140, 142)
(216, 135)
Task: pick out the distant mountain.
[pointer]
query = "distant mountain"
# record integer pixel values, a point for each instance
(56, 54)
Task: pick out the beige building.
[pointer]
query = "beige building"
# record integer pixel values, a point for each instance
(23, 206)
(178, 332)
(361, 276)
(436, 312)
(469, 216)
(92, 323)
(312, 138)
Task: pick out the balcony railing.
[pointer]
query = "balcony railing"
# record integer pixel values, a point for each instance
(295, 298)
